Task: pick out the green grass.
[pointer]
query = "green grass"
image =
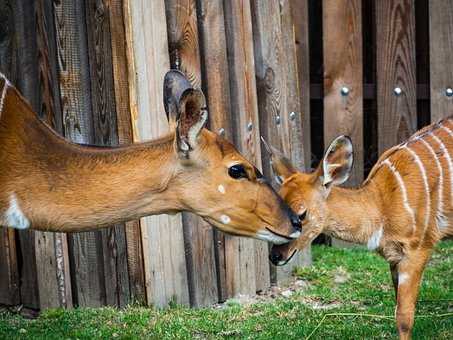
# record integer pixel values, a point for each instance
(340, 281)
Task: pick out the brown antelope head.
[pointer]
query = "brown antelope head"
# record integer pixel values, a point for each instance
(308, 193)
(214, 180)
(51, 184)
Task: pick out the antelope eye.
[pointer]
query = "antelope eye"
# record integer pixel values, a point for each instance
(237, 171)
(303, 216)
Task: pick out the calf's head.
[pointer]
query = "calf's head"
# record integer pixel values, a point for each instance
(308, 194)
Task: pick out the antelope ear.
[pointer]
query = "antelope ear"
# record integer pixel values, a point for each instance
(175, 83)
(281, 165)
(337, 162)
(193, 115)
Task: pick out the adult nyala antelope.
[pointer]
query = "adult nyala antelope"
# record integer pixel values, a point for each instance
(48, 183)
(402, 209)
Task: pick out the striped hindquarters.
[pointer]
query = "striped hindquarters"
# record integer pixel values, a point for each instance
(416, 181)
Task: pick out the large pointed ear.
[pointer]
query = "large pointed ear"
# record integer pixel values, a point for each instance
(175, 83)
(337, 162)
(281, 165)
(193, 115)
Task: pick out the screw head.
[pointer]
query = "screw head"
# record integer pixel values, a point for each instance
(397, 91)
(277, 119)
(449, 92)
(249, 126)
(221, 132)
(292, 115)
(344, 91)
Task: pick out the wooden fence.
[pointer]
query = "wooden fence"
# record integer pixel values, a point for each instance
(297, 72)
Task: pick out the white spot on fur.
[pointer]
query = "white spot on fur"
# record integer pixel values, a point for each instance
(425, 184)
(402, 278)
(221, 189)
(14, 216)
(440, 217)
(375, 239)
(403, 190)
(225, 219)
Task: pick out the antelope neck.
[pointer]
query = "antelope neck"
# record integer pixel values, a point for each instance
(354, 214)
(72, 187)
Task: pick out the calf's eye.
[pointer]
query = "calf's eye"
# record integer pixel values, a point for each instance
(303, 216)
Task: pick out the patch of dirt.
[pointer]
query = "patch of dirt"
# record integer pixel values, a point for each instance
(283, 291)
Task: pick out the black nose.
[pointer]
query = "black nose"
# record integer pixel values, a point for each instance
(295, 221)
(275, 257)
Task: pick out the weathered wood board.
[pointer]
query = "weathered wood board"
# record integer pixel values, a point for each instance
(162, 236)
(275, 64)
(343, 90)
(440, 48)
(395, 58)
(198, 235)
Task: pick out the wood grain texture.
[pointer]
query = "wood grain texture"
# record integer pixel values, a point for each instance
(119, 19)
(299, 10)
(211, 23)
(198, 235)
(9, 271)
(246, 260)
(162, 236)
(114, 254)
(274, 46)
(342, 30)
(26, 80)
(441, 67)
(52, 258)
(75, 92)
(395, 54)
(296, 122)
(183, 38)
(343, 64)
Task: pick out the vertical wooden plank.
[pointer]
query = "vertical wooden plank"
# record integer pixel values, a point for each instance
(52, 258)
(395, 54)
(9, 285)
(343, 112)
(441, 67)
(216, 88)
(299, 11)
(27, 82)
(243, 255)
(162, 236)
(113, 240)
(277, 90)
(198, 235)
(45, 276)
(121, 71)
(75, 92)
(296, 120)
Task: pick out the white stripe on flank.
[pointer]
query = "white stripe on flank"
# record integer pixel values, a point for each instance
(400, 181)
(450, 165)
(449, 161)
(447, 130)
(5, 88)
(425, 183)
(440, 217)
